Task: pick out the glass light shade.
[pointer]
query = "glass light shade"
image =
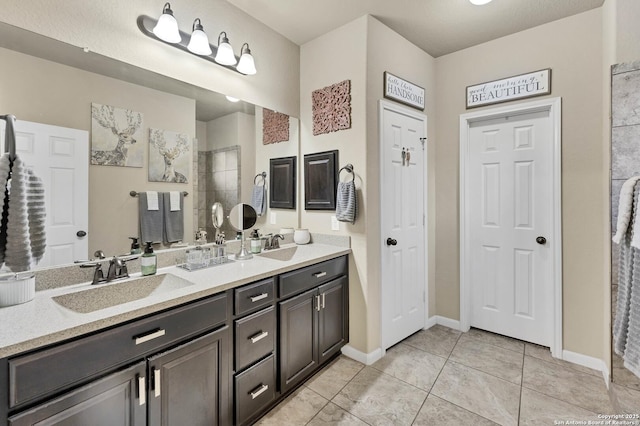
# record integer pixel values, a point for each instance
(199, 43)
(167, 27)
(246, 65)
(225, 55)
(479, 2)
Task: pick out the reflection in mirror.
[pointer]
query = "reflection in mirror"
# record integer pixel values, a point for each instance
(50, 82)
(217, 216)
(241, 218)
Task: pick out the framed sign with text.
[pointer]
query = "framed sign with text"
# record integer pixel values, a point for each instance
(521, 86)
(403, 91)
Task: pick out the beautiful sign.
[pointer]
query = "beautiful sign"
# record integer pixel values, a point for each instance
(403, 91)
(535, 83)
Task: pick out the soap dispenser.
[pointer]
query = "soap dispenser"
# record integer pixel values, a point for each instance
(135, 245)
(148, 261)
(256, 242)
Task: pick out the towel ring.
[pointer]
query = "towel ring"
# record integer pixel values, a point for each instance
(264, 177)
(349, 168)
(10, 135)
(135, 194)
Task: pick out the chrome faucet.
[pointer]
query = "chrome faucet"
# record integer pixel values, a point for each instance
(273, 243)
(117, 269)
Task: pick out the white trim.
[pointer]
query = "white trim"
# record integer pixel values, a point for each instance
(392, 106)
(589, 362)
(366, 359)
(554, 106)
(431, 321)
(446, 322)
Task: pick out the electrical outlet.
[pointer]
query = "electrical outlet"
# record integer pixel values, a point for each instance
(335, 225)
(272, 218)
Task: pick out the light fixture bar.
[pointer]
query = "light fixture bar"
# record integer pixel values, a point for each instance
(146, 25)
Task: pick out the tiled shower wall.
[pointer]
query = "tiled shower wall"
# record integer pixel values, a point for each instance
(218, 181)
(625, 139)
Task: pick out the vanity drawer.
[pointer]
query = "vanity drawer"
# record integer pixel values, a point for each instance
(303, 279)
(50, 370)
(255, 389)
(255, 337)
(253, 296)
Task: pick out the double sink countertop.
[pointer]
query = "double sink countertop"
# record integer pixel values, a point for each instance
(43, 321)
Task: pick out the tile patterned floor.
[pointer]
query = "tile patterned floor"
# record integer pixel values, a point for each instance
(443, 377)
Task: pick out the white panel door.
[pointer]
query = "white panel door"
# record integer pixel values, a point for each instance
(510, 196)
(402, 214)
(59, 156)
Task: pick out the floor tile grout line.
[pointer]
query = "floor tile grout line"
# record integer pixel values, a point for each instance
(462, 408)
(558, 399)
(321, 408)
(521, 383)
(484, 372)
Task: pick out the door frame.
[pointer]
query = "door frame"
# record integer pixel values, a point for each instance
(392, 106)
(554, 107)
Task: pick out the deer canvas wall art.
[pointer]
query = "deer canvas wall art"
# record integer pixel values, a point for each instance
(169, 156)
(116, 136)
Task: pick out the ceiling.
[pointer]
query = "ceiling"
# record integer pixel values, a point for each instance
(438, 27)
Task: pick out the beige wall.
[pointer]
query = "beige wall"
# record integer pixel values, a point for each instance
(109, 28)
(627, 30)
(362, 59)
(572, 48)
(46, 92)
(285, 218)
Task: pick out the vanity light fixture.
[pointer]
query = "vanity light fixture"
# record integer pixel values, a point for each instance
(166, 30)
(479, 2)
(167, 27)
(225, 55)
(232, 99)
(199, 42)
(246, 65)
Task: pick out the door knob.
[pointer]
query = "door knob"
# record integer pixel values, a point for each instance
(391, 242)
(541, 240)
(81, 234)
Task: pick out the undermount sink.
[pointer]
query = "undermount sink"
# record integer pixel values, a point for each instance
(283, 254)
(101, 297)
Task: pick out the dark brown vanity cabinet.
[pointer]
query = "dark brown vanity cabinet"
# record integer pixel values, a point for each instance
(168, 369)
(314, 324)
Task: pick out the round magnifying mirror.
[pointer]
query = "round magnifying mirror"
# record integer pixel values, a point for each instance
(217, 215)
(242, 217)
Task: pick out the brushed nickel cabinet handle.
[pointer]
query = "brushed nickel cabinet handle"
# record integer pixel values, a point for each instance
(259, 297)
(149, 336)
(259, 336)
(323, 294)
(318, 303)
(156, 382)
(319, 274)
(142, 393)
(259, 391)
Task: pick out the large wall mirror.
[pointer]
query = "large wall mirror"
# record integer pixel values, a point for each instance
(49, 82)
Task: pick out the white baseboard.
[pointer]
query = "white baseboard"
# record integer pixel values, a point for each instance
(366, 359)
(589, 362)
(444, 321)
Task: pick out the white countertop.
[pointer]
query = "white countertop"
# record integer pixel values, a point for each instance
(42, 321)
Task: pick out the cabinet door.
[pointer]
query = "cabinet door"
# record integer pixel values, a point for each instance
(190, 385)
(298, 338)
(332, 323)
(118, 399)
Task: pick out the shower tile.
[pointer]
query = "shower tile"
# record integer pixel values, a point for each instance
(625, 95)
(625, 152)
(231, 159)
(231, 180)
(625, 67)
(218, 164)
(616, 185)
(218, 181)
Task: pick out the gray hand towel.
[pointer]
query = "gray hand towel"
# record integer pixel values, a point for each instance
(173, 220)
(5, 169)
(346, 202)
(151, 221)
(258, 198)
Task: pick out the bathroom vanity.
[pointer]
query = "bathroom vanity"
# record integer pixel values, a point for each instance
(223, 349)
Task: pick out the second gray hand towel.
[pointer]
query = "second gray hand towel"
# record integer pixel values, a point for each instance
(173, 219)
